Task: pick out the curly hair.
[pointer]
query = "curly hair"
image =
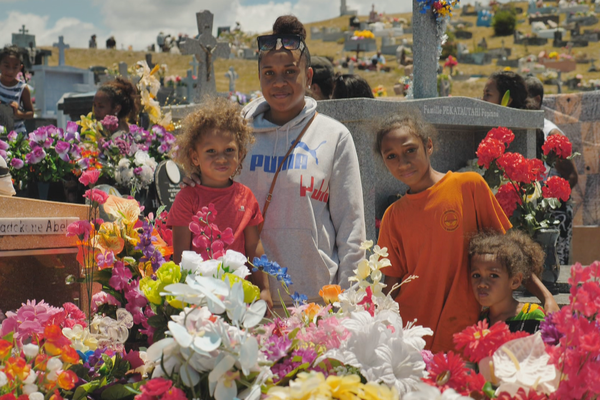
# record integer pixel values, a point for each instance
(122, 92)
(408, 117)
(289, 24)
(515, 251)
(11, 51)
(214, 114)
(508, 80)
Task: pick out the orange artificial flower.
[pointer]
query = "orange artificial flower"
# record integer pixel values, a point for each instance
(67, 380)
(330, 293)
(69, 355)
(5, 348)
(56, 395)
(312, 310)
(17, 367)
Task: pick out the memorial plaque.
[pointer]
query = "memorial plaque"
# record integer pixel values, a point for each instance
(35, 226)
(167, 178)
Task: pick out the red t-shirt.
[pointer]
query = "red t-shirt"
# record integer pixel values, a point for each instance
(236, 207)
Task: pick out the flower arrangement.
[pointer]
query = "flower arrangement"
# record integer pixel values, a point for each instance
(441, 9)
(366, 34)
(450, 63)
(522, 189)
(380, 91)
(47, 154)
(173, 81)
(148, 87)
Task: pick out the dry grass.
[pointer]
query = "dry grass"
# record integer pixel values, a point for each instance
(247, 69)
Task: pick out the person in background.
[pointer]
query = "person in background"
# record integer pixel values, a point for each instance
(118, 97)
(349, 86)
(14, 92)
(160, 40)
(564, 168)
(322, 82)
(111, 43)
(93, 43)
(507, 81)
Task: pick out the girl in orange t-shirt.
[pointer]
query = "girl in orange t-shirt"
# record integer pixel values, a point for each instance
(427, 232)
(213, 144)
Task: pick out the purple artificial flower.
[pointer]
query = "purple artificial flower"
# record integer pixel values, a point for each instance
(13, 136)
(137, 170)
(169, 138)
(72, 132)
(3, 145)
(123, 146)
(120, 276)
(105, 260)
(150, 253)
(37, 154)
(84, 163)
(75, 152)
(163, 148)
(134, 129)
(17, 163)
(48, 143)
(62, 147)
(38, 136)
(159, 130)
(144, 147)
(3, 154)
(110, 122)
(53, 131)
(65, 157)
(550, 333)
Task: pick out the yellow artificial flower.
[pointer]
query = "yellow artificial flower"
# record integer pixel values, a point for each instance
(124, 210)
(251, 292)
(343, 386)
(169, 273)
(109, 238)
(152, 289)
(312, 310)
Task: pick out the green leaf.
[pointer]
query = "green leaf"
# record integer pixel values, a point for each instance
(117, 392)
(157, 321)
(82, 391)
(505, 99)
(489, 390)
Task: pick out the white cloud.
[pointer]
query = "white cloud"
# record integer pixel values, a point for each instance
(76, 33)
(137, 22)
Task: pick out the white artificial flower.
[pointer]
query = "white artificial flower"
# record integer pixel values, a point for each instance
(366, 245)
(190, 260)
(31, 377)
(426, 392)
(124, 172)
(146, 175)
(523, 363)
(31, 350)
(54, 364)
(141, 158)
(380, 251)
(209, 268)
(81, 339)
(36, 396)
(236, 262)
(3, 379)
(30, 388)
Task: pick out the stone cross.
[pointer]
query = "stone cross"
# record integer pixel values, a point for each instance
(351, 67)
(123, 69)
(232, 76)
(425, 58)
(61, 50)
(23, 31)
(194, 64)
(593, 67)
(189, 83)
(205, 49)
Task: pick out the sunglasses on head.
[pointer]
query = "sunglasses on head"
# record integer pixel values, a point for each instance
(286, 41)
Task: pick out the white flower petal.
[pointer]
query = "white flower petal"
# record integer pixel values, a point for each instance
(180, 334)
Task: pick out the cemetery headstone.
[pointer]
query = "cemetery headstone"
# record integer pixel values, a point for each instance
(364, 45)
(232, 76)
(543, 18)
(61, 45)
(332, 34)
(123, 69)
(593, 68)
(425, 57)
(194, 64)
(484, 18)
(23, 39)
(167, 177)
(189, 83)
(480, 58)
(223, 29)
(463, 34)
(205, 49)
(483, 44)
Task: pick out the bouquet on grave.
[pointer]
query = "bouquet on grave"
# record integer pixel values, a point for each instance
(47, 154)
(524, 192)
(148, 87)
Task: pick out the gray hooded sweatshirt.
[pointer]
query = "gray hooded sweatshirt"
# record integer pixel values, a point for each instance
(315, 223)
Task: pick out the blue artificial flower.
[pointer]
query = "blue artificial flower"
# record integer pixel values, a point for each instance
(299, 298)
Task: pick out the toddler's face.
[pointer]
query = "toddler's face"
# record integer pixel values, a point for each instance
(490, 281)
(217, 156)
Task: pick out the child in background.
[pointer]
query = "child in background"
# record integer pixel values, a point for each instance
(13, 92)
(499, 264)
(426, 232)
(213, 144)
(502, 81)
(118, 97)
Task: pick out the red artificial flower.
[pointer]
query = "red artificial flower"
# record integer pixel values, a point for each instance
(96, 196)
(5, 348)
(81, 229)
(559, 145)
(480, 340)
(56, 395)
(538, 169)
(9, 396)
(522, 395)
(156, 386)
(89, 177)
(69, 355)
(17, 367)
(489, 150)
(557, 187)
(451, 62)
(67, 380)
(447, 371)
(475, 383)
(501, 134)
(508, 197)
(174, 394)
(515, 167)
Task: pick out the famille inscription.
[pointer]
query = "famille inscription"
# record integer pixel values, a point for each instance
(35, 226)
(461, 111)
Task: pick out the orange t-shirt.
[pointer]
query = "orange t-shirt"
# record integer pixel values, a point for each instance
(236, 207)
(427, 234)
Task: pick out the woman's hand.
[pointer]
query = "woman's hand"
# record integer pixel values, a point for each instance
(191, 181)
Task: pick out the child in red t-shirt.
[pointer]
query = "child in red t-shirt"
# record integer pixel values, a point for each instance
(213, 144)
(427, 232)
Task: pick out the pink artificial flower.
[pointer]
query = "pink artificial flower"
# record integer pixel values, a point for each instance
(17, 163)
(110, 122)
(28, 320)
(101, 298)
(135, 302)
(81, 229)
(120, 276)
(105, 260)
(12, 136)
(73, 316)
(96, 196)
(72, 132)
(37, 154)
(89, 177)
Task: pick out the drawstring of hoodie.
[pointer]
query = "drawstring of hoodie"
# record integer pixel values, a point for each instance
(287, 138)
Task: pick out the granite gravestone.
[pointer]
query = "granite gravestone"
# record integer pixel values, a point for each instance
(123, 69)
(205, 49)
(61, 45)
(167, 177)
(232, 76)
(23, 39)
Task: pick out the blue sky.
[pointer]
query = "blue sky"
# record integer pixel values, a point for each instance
(137, 22)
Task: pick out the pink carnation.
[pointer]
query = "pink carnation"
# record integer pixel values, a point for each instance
(102, 298)
(89, 177)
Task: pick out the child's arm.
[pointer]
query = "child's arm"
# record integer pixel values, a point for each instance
(254, 248)
(537, 288)
(27, 106)
(182, 240)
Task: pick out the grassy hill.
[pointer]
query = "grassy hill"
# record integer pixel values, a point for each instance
(247, 69)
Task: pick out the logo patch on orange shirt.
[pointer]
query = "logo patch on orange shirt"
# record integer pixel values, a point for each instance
(449, 220)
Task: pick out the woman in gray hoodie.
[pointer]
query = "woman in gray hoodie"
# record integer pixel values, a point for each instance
(315, 220)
